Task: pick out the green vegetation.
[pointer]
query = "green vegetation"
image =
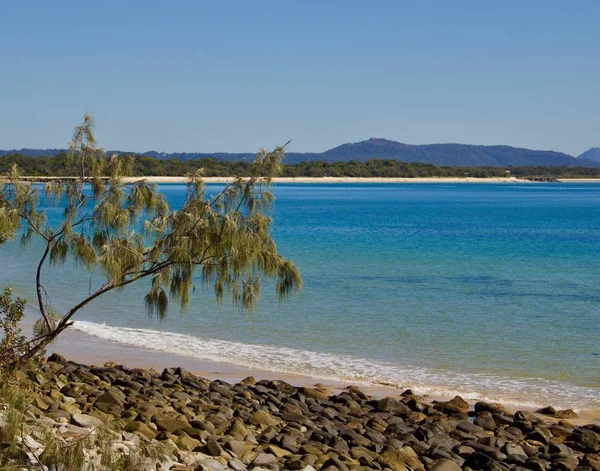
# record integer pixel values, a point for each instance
(61, 165)
(19, 427)
(127, 232)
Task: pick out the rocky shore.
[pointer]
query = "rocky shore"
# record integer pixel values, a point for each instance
(188, 423)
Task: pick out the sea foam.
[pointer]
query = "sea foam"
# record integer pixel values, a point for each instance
(528, 392)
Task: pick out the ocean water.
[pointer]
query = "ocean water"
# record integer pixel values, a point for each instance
(484, 290)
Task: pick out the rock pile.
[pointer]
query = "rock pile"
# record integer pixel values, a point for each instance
(271, 425)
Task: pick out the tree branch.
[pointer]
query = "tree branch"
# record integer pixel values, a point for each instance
(38, 285)
(106, 288)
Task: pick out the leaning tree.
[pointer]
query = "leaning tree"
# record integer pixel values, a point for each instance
(127, 232)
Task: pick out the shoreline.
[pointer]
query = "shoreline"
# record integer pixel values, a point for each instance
(91, 350)
(175, 420)
(284, 180)
(335, 180)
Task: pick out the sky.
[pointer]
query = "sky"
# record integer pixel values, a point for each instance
(234, 76)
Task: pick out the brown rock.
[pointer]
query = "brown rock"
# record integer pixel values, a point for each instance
(400, 459)
(140, 428)
(320, 394)
(169, 424)
(261, 417)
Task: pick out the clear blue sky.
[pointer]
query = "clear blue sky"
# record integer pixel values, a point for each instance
(235, 76)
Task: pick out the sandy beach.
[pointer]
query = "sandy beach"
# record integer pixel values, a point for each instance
(86, 349)
(333, 180)
(338, 180)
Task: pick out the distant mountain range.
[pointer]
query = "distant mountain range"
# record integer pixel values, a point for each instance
(377, 148)
(592, 154)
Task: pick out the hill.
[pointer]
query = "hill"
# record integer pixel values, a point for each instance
(463, 155)
(592, 154)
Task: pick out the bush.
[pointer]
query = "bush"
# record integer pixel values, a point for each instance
(13, 344)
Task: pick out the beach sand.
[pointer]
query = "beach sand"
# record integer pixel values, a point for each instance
(283, 180)
(338, 180)
(86, 349)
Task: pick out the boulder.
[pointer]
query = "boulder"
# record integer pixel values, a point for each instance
(140, 428)
(110, 397)
(187, 443)
(400, 459)
(261, 417)
(444, 465)
(84, 420)
(169, 424)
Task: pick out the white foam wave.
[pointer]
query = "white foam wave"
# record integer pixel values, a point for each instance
(529, 392)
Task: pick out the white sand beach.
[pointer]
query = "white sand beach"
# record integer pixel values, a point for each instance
(158, 179)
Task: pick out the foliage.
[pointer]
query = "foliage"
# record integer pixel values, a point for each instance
(463, 155)
(12, 345)
(128, 232)
(60, 166)
(16, 393)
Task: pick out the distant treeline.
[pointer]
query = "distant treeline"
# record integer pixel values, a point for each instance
(148, 166)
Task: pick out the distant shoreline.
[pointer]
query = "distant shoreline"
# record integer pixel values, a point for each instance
(339, 180)
(333, 180)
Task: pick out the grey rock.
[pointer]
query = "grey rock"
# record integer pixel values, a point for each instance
(84, 420)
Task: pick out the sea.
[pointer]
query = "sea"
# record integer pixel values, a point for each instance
(490, 291)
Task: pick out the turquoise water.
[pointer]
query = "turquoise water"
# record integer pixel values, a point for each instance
(487, 290)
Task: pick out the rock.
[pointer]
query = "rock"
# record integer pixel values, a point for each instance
(526, 416)
(272, 425)
(264, 459)
(236, 447)
(540, 434)
(513, 449)
(212, 448)
(490, 407)
(40, 403)
(444, 465)
(549, 410)
(486, 421)
(565, 464)
(187, 443)
(393, 406)
(480, 461)
(310, 449)
(84, 420)
(335, 464)
(238, 428)
(278, 452)
(236, 465)
(209, 465)
(468, 427)
(566, 414)
(585, 440)
(57, 358)
(455, 406)
(400, 459)
(591, 461)
(60, 415)
(320, 394)
(110, 397)
(169, 424)
(261, 417)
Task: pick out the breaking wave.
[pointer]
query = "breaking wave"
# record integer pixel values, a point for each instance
(526, 392)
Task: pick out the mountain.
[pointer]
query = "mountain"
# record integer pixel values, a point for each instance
(592, 154)
(445, 154)
(31, 152)
(463, 155)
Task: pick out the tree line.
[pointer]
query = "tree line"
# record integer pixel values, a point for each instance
(62, 166)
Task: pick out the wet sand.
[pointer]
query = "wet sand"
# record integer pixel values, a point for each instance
(82, 348)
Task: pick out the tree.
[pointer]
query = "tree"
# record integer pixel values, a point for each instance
(128, 232)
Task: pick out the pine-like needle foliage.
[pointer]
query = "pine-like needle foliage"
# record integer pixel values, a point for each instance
(127, 232)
